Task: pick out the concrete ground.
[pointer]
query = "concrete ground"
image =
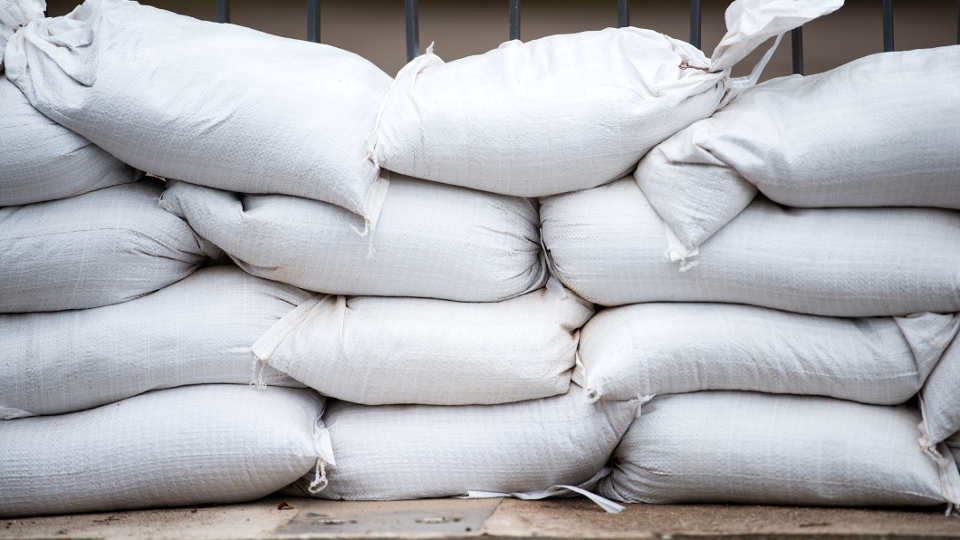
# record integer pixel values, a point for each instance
(490, 518)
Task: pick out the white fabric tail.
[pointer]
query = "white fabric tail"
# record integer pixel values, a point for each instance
(751, 22)
(14, 15)
(742, 83)
(558, 491)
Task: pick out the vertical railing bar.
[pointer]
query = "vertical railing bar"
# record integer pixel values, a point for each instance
(958, 23)
(223, 11)
(887, 25)
(313, 21)
(514, 19)
(695, 13)
(413, 29)
(623, 13)
(796, 42)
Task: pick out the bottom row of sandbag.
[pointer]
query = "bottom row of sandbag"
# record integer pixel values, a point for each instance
(229, 443)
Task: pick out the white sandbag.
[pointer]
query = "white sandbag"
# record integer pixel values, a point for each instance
(940, 398)
(747, 448)
(213, 104)
(104, 247)
(178, 447)
(196, 331)
(377, 350)
(607, 244)
(391, 452)
(566, 112)
(883, 130)
(671, 348)
(431, 241)
(41, 160)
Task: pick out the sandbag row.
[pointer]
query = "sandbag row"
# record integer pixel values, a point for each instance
(222, 325)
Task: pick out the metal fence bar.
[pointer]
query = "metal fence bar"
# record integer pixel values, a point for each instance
(695, 23)
(313, 21)
(623, 13)
(887, 25)
(796, 42)
(413, 29)
(514, 20)
(223, 11)
(958, 23)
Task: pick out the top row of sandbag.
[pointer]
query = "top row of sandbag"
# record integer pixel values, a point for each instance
(235, 109)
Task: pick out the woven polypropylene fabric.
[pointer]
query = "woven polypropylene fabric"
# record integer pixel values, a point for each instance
(104, 247)
(880, 131)
(376, 350)
(177, 447)
(431, 241)
(548, 116)
(667, 348)
(608, 245)
(41, 160)
(417, 451)
(941, 400)
(196, 331)
(747, 448)
(214, 104)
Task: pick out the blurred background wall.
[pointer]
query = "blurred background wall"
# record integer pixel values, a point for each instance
(374, 29)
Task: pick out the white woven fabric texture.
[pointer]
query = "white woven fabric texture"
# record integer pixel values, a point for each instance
(198, 330)
(880, 131)
(431, 241)
(214, 104)
(41, 160)
(608, 244)
(750, 448)
(104, 247)
(177, 447)
(377, 350)
(565, 112)
(670, 348)
(15, 14)
(941, 398)
(391, 452)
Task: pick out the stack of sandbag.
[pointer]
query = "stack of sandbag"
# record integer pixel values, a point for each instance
(782, 362)
(119, 353)
(430, 306)
(476, 123)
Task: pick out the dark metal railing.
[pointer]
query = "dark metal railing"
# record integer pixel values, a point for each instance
(623, 19)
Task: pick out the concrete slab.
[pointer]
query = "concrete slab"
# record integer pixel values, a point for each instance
(489, 519)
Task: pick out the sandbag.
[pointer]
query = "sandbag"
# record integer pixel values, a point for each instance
(379, 350)
(430, 241)
(104, 247)
(883, 130)
(748, 448)
(607, 244)
(671, 348)
(391, 452)
(41, 160)
(566, 112)
(214, 104)
(196, 331)
(183, 446)
(940, 400)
